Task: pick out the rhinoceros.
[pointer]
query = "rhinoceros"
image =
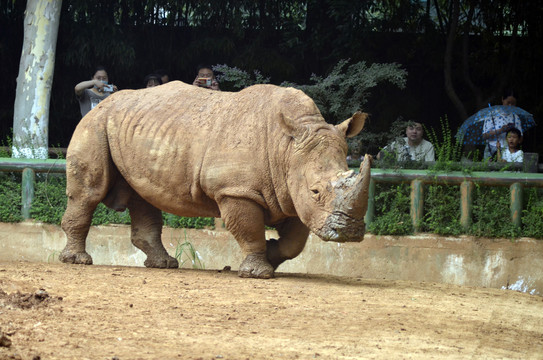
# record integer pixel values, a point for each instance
(260, 156)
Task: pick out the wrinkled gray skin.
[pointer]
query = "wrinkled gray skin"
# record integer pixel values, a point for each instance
(262, 156)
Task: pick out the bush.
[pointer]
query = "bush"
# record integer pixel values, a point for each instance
(532, 215)
(442, 210)
(10, 198)
(392, 210)
(492, 214)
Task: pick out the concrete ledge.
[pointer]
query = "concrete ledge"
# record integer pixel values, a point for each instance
(496, 263)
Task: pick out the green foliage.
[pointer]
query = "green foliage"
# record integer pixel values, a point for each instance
(492, 214)
(448, 149)
(441, 210)
(49, 198)
(175, 221)
(105, 216)
(10, 197)
(532, 215)
(392, 210)
(187, 251)
(338, 95)
(238, 79)
(347, 88)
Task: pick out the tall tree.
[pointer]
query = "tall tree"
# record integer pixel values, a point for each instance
(35, 79)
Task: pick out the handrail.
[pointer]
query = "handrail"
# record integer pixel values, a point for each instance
(37, 165)
(457, 177)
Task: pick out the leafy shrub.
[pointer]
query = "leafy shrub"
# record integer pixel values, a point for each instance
(492, 214)
(532, 215)
(10, 197)
(339, 95)
(392, 210)
(442, 215)
(49, 198)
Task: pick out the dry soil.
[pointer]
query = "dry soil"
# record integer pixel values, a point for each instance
(58, 311)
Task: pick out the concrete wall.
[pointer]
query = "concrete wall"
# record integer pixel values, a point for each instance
(496, 263)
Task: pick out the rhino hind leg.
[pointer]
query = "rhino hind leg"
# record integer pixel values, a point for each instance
(146, 231)
(245, 220)
(76, 223)
(292, 238)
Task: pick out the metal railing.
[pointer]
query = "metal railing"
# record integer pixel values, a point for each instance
(516, 181)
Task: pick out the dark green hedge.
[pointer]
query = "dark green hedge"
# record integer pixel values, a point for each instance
(491, 212)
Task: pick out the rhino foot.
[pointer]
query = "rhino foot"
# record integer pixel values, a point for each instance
(161, 262)
(256, 266)
(69, 257)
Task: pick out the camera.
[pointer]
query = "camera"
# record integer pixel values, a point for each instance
(204, 82)
(108, 88)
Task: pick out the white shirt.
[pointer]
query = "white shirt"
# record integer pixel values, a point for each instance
(424, 151)
(517, 156)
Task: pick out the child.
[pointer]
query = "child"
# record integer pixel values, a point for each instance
(512, 152)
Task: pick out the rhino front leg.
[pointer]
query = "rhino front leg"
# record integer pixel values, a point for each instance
(292, 238)
(146, 233)
(245, 220)
(76, 223)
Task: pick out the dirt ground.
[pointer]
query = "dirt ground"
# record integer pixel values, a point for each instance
(58, 311)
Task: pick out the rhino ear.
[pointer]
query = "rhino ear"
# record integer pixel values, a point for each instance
(353, 125)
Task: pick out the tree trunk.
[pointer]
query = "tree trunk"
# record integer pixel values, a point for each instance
(35, 79)
(449, 86)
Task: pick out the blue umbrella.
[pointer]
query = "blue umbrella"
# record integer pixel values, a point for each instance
(471, 131)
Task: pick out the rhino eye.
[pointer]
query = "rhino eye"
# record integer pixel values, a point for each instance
(316, 194)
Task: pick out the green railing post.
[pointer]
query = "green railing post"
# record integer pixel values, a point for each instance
(27, 185)
(417, 203)
(516, 204)
(370, 212)
(466, 204)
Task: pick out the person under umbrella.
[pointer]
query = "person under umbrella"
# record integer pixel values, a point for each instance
(498, 124)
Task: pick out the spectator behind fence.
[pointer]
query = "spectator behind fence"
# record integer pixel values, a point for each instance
(152, 80)
(206, 78)
(412, 147)
(511, 150)
(495, 128)
(91, 92)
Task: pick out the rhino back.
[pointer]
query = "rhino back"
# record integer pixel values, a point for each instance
(182, 148)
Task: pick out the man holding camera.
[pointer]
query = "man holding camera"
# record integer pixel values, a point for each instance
(91, 92)
(206, 78)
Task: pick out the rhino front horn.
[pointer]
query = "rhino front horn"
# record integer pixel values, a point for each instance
(360, 191)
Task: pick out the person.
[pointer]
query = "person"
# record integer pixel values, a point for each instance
(164, 77)
(495, 128)
(152, 80)
(206, 78)
(91, 92)
(412, 147)
(511, 152)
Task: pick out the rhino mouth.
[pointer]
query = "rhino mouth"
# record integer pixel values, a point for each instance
(340, 227)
